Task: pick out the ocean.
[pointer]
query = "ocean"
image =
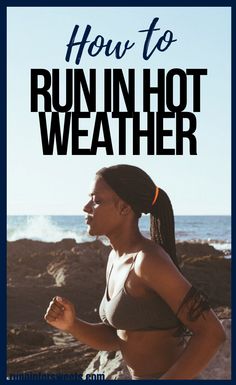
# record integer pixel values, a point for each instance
(215, 230)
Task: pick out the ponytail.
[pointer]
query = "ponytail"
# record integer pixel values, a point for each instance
(162, 228)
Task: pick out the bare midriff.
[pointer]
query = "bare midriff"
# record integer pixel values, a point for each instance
(149, 354)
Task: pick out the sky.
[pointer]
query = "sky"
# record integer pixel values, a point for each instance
(59, 185)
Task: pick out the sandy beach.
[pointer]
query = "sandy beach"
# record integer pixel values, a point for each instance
(37, 271)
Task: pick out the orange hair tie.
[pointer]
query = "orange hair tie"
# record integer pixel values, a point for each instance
(156, 196)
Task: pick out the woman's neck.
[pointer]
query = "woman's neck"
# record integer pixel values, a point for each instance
(126, 240)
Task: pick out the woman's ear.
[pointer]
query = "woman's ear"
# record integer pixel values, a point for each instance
(124, 208)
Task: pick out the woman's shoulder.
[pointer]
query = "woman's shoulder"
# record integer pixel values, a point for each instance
(152, 250)
(157, 271)
(152, 256)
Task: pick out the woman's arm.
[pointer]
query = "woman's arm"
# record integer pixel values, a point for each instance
(98, 336)
(61, 314)
(159, 273)
(208, 336)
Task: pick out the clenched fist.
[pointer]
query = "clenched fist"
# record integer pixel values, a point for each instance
(61, 314)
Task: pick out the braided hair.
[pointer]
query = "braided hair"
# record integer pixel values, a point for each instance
(136, 188)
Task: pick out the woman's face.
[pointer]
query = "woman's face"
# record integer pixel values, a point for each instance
(103, 214)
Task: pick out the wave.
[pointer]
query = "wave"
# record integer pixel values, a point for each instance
(43, 228)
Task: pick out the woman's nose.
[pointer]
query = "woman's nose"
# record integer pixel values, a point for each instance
(88, 208)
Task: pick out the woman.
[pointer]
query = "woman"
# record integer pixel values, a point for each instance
(148, 304)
